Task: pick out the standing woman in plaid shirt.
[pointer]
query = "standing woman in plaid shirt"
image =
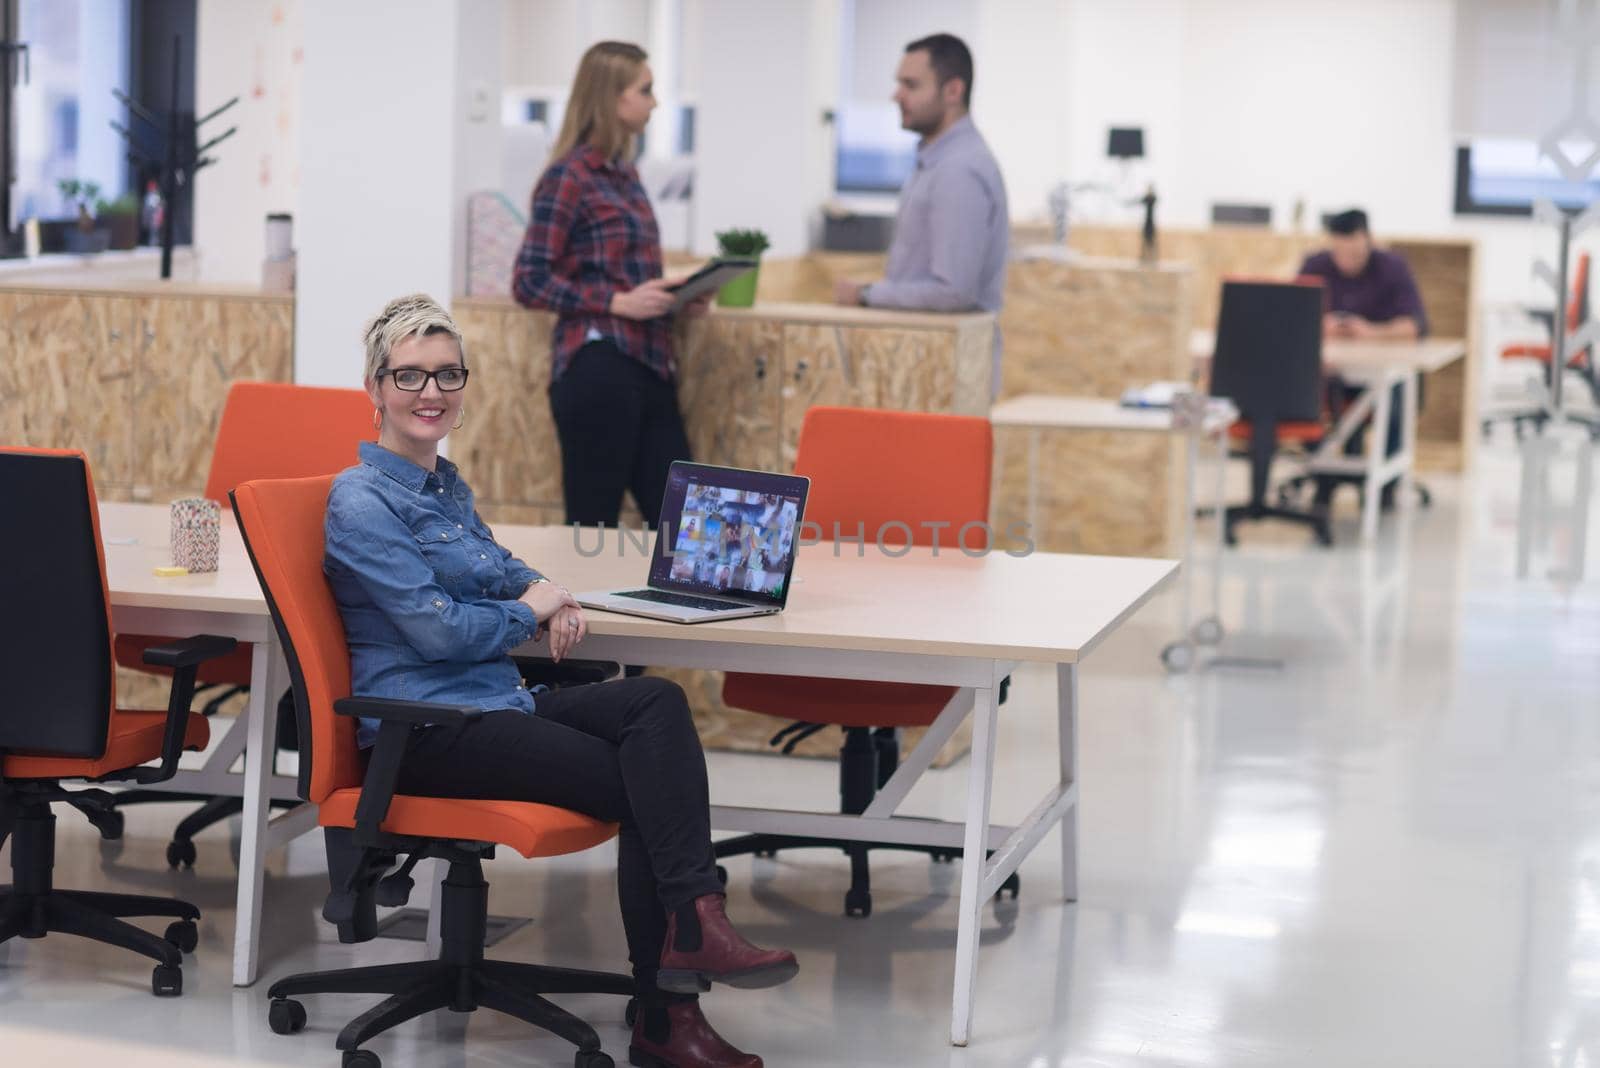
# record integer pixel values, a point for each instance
(592, 255)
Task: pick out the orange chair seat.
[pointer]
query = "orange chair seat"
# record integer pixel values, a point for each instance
(135, 739)
(844, 702)
(1300, 432)
(232, 669)
(1542, 353)
(531, 829)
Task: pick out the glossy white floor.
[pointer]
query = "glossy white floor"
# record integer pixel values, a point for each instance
(1385, 855)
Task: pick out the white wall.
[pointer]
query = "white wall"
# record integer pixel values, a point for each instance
(387, 157)
(764, 156)
(253, 52)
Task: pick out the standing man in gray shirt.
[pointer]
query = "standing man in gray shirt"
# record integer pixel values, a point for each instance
(952, 231)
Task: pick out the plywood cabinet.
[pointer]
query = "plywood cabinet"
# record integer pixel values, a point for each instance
(136, 377)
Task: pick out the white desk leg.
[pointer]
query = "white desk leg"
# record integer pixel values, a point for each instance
(980, 781)
(268, 678)
(1220, 544)
(1377, 447)
(1405, 492)
(1067, 738)
(1033, 488)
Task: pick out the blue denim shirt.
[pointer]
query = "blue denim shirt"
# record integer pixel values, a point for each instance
(428, 598)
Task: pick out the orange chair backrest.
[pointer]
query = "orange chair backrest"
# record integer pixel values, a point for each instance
(1578, 306)
(878, 472)
(82, 701)
(278, 430)
(282, 524)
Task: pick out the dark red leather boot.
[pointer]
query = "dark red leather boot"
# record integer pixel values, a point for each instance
(678, 1036)
(703, 948)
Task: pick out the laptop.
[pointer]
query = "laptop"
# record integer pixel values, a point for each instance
(725, 548)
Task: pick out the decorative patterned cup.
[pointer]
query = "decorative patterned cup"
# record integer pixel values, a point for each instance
(1188, 410)
(196, 528)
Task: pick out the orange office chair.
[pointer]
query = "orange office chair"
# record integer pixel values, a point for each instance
(59, 717)
(871, 468)
(1581, 361)
(367, 826)
(267, 430)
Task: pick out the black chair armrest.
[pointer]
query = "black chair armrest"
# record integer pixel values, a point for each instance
(396, 711)
(383, 763)
(184, 657)
(189, 652)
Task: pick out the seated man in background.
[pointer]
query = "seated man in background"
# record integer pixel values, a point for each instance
(1371, 296)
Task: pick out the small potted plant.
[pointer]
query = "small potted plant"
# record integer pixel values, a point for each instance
(84, 237)
(121, 218)
(740, 245)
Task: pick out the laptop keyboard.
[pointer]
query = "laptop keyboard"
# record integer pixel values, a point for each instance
(682, 600)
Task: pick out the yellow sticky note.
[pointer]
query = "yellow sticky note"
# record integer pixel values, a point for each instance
(171, 572)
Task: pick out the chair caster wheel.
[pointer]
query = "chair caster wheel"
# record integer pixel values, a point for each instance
(1208, 631)
(942, 856)
(593, 1059)
(1177, 657)
(180, 853)
(361, 1058)
(631, 1013)
(767, 853)
(722, 875)
(858, 903)
(111, 826)
(183, 934)
(286, 1017)
(1011, 888)
(166, 981)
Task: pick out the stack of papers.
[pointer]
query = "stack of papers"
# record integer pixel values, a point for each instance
(1154, 395)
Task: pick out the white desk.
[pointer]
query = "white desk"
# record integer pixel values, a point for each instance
(953, 621)
(1375, 366)
(957, 620)
(1038, 412)
(229, 602)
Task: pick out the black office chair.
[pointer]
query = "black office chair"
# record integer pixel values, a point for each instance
(59, 719)
(1268, 361)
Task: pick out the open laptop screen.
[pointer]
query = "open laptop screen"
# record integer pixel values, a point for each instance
(729, 532)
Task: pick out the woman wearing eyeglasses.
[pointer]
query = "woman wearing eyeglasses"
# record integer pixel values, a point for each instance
(432, 605)
(592, 255)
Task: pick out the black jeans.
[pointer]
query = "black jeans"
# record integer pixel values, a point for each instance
(624, 751)
(620, 429)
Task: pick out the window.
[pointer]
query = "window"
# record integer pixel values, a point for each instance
(1505, 177)
(77, 53)
(874, 155)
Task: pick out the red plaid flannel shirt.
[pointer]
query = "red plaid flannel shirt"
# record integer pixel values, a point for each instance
(591, 234)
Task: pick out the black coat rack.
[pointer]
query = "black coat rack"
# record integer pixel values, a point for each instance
(184, 153)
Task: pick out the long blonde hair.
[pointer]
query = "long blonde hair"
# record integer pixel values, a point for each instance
(604, 73)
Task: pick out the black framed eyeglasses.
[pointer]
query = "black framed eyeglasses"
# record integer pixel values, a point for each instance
(415, 379)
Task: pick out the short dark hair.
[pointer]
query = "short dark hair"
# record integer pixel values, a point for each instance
(1348, 223)
(949, 57)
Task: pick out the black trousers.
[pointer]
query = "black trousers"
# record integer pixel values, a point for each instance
(624, 751)
(620, 429)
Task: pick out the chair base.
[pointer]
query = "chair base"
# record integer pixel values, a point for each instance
(214, 808)
(460, 980)
(858, 899)
(1317, 520)
(32, 907)
(867, 760)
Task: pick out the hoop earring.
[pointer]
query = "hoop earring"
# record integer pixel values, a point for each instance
(461, 418)
(377, 420)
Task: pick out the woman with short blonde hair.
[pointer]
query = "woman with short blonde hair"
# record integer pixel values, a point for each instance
(592, 255)
(433, 606)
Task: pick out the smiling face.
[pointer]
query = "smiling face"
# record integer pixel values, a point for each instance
(637, 101)
(415, 423)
